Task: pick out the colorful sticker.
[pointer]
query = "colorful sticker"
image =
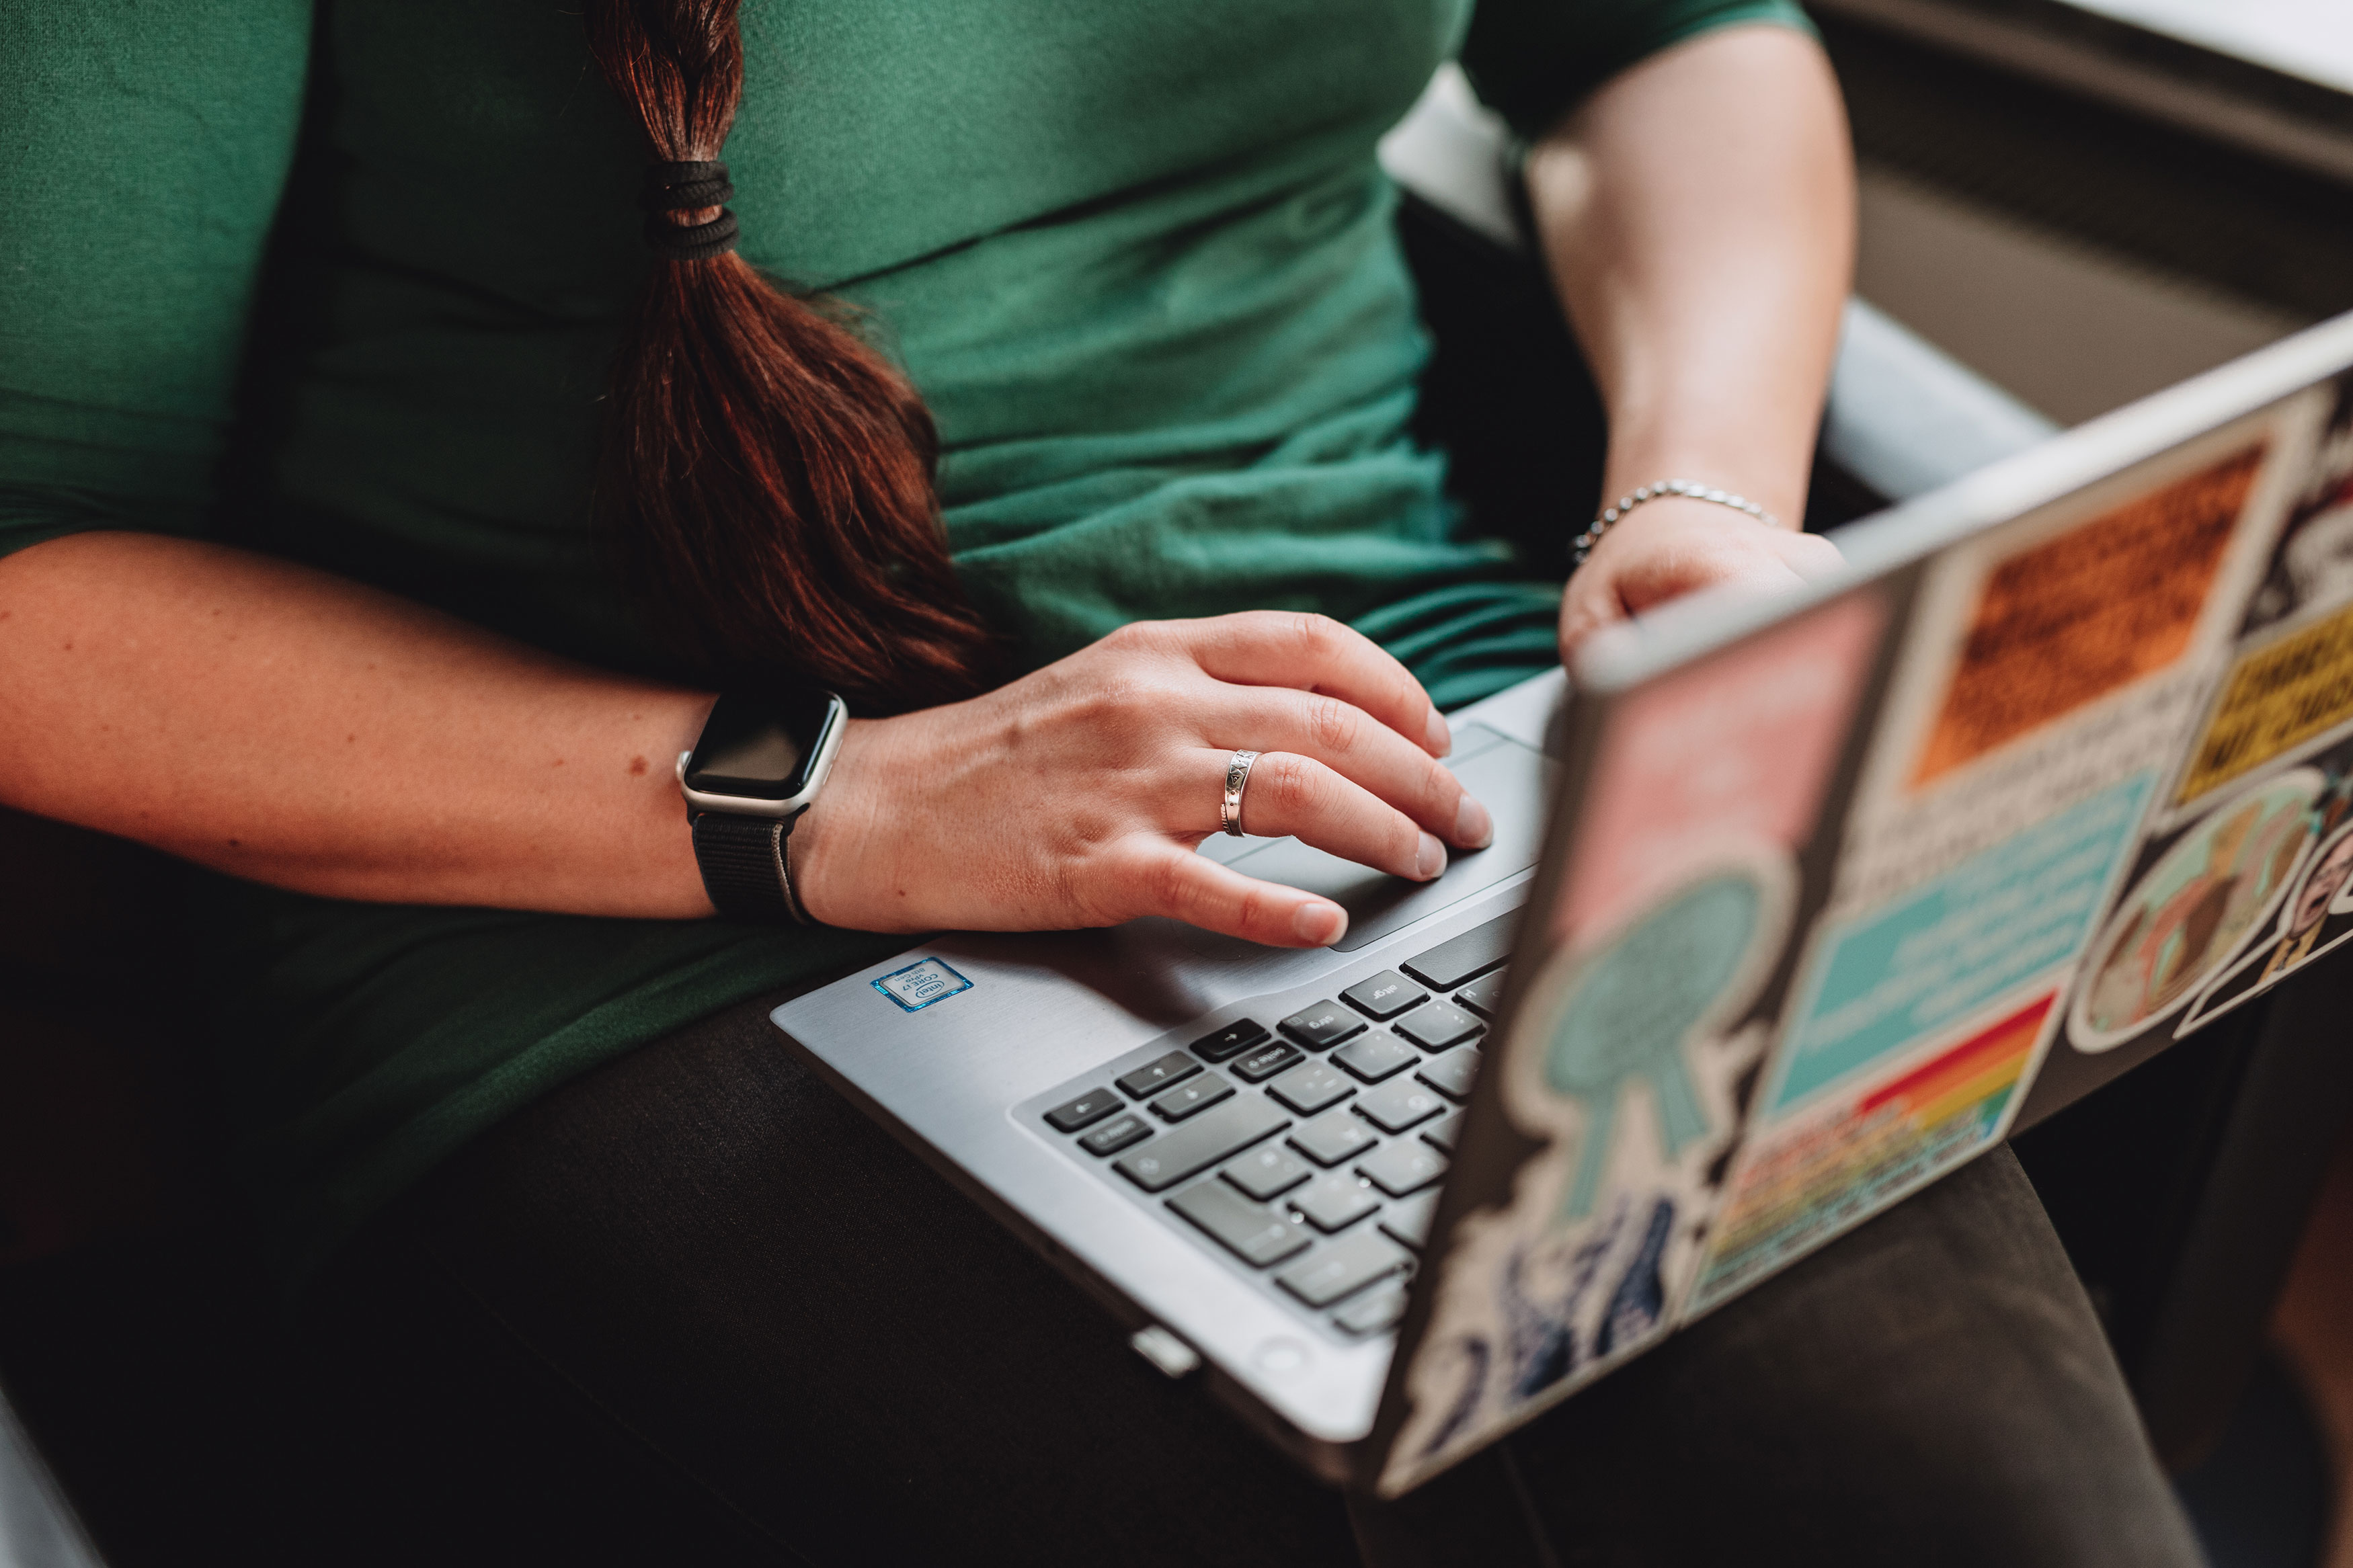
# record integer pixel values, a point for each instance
(2186, 914)
(1638, 1034)
(2218, 856)
(2311, 923)
(2291, 684)
(1733, 751)
(1620, 1020)
(2313, 568)
(1622, 1064)
(2053, 657)
(2066, 622)
(2295, 687)
(1885, 979)
(2051, 668)
(1825, 1171)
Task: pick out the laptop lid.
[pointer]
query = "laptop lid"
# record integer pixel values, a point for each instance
(1822, 870)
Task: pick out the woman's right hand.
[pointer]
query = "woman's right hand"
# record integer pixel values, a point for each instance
(1075, 795)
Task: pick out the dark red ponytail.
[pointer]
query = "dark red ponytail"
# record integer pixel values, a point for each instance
(769, 474)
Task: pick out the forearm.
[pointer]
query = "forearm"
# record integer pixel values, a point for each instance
(302, 730)
(1697, 214)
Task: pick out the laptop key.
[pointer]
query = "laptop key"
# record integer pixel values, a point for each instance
(1114, 1136)
(1385, 995)
(1344, 1267)
(1466, 957)
(1309, 1087)
(1231, 1041)
(1252, 1232)
(1084, 1111)
(1405, 1166)
(1438, 1026)
(1201, 1142)
(1268, 1172)
(1333, 1137)
(1445, 1133)
(1321, 1027)
(1266, 1061)
(1452, 1074)
(1375, 1057)
(1398, 1104)
(1334, 1201)
(1193, 1097)
(1372, 1314)
(1484, 996)
(1153, 1076)
(1409, 1220)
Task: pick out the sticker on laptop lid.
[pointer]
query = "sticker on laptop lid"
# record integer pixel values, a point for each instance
(2313, 921)
(1609, 1106)
(921, 983)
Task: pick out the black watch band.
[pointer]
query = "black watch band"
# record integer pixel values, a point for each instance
(744, 868)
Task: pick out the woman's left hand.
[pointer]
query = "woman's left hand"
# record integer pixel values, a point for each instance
(1675, 546)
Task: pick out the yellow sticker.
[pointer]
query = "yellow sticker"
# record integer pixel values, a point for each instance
(2278, 696)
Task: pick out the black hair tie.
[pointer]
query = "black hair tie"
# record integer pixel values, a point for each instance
(687, 187)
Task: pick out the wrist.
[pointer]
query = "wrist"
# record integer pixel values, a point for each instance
(829, 843)
(1773, 482)
(814, 846)
(754, 770)
(1670, 507)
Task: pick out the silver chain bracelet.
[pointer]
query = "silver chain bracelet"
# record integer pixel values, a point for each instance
(1583, 544)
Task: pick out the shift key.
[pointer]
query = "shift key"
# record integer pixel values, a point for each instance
(1201, 1142)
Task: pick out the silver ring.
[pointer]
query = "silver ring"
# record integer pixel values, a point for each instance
(1230, 810)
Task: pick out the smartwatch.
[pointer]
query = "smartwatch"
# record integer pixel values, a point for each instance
(758, 763)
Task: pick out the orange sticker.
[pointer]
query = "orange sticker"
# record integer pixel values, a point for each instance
(2076, 617)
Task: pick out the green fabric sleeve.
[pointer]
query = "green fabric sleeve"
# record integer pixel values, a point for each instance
(146, 147)
(1532, 61)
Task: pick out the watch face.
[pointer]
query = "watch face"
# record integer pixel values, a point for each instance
(759, 748)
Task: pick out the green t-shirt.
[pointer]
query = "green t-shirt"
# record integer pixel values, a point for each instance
(349, 298)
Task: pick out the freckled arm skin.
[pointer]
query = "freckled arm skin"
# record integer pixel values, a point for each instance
(303, 730)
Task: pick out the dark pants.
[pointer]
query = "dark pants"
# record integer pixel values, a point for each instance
(694, 1308)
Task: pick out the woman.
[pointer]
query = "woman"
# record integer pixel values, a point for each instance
(319, 329)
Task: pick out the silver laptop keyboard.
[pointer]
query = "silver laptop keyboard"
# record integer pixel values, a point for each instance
(1309, 1153)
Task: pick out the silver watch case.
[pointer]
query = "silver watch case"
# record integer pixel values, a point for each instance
(828, 743)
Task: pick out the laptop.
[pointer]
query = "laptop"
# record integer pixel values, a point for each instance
(1794, 905)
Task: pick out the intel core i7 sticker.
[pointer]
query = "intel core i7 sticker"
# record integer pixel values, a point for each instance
(921, 983)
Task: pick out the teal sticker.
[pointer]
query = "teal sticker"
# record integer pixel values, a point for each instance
(1993, 923)
(1635, 1005)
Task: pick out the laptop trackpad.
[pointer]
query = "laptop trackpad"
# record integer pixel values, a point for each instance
(1510, 779)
